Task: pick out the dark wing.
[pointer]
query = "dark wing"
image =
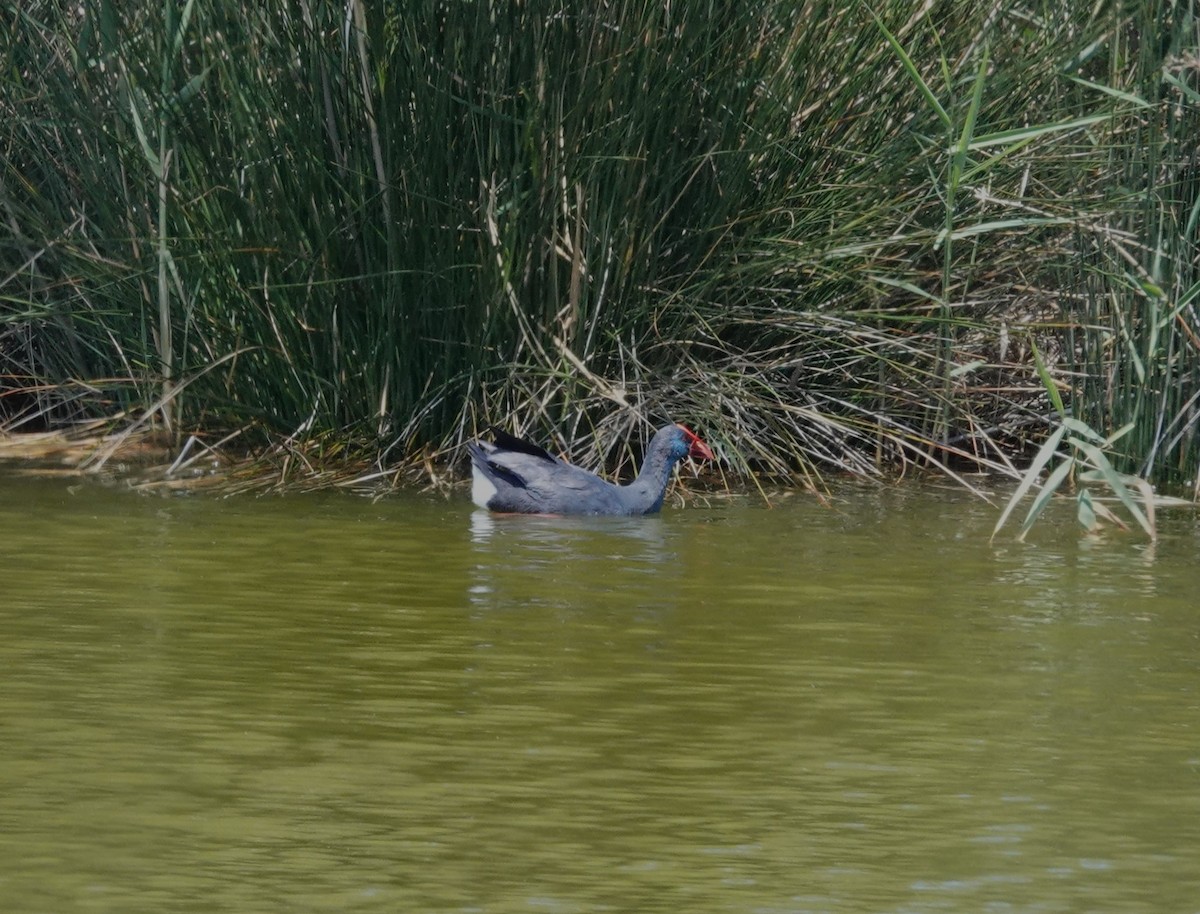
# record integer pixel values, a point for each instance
(530, 480)
(507, 442)
(484, 456)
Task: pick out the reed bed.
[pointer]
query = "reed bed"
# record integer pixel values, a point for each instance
(829, 235)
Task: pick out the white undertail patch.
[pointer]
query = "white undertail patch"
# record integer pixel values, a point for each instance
(482, 488)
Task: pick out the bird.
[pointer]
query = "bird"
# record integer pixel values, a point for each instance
(514, 476)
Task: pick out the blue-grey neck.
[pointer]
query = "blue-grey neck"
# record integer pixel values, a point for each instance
(645, 494)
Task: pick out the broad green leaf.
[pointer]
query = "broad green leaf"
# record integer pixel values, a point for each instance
(1182, 86)
(177, 38)
(1115, 482)
(1044, 455)
(190, 89)
(913, 72)
(968, 128)
(1079, 427)
(1152, 289)
(999, 225)
(1184, 300)
(909, 287)
(1053, 481)
(151, 156)
(1084, 510)
(1047, 381)
(1119, 433)
(1136, 100)
(1021, 134)
(1147, 492)
(1139, 366)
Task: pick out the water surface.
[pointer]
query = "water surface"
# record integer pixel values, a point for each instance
(328, 704)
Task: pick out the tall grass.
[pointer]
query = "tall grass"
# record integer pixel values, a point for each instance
(1137, 344)
(824, 232)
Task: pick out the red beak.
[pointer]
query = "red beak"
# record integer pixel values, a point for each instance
(696, 447)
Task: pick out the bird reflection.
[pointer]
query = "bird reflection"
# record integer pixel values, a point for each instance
(524, 559)
(483, 525)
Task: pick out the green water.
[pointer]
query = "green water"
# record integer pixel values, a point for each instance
(324, 704)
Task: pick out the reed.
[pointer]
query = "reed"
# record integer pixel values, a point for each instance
(827, 233)
(1136, 345)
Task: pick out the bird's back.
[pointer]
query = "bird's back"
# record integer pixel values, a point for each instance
(525, 482)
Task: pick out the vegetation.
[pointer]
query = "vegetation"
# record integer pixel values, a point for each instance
(827, 234)
(1085, 463)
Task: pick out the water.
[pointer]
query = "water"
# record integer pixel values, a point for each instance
(323, 704)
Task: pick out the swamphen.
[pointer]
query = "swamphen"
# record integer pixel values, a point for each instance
(516, 477)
